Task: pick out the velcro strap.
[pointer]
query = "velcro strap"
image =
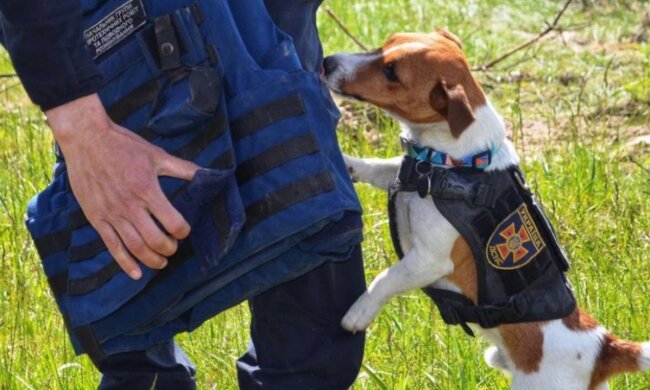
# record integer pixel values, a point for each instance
(86, 251)
(92, 282)
(215, 129)
(457, 309)
(276, 156)
(288, 196)
(168, 48)
(261, 117)
(52, 243)
(129, 104)
(58, 284)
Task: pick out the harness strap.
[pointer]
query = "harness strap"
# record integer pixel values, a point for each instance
(272, 112)
(457, 309)
(392, 219)
(428, 179)
(446, 184)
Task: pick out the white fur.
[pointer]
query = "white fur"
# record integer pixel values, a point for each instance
(644, 359)
(568, 360)
(347, 65)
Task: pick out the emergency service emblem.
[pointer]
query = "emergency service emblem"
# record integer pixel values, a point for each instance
(515, 241)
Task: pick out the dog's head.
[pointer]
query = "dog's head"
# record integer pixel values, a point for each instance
(420, 78)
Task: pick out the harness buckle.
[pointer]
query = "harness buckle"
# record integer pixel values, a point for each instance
(424, 171)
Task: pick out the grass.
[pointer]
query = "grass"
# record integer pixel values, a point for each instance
(573, 103)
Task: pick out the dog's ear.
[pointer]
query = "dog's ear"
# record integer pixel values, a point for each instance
(450, 36)
(452, 103)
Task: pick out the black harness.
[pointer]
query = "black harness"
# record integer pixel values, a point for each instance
(520, 265)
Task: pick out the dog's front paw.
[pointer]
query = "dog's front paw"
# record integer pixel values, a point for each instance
(360, 314)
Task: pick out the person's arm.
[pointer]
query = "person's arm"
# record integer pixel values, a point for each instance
(44, 39)
(113, 172)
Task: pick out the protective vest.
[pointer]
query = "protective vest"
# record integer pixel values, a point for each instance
(520, 265)
(217, 83)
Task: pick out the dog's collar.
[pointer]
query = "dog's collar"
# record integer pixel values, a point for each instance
(480, 160)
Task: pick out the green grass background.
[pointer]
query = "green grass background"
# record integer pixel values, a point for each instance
(574, 103)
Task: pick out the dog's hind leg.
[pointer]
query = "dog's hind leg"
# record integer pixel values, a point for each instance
(377, 172)
(412, 272)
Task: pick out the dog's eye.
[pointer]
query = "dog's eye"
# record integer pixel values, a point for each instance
(389, 72)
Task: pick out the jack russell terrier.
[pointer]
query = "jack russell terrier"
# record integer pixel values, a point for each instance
(467, 228)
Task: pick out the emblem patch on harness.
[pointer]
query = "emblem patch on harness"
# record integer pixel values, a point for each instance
(515, 241)
(115, 27)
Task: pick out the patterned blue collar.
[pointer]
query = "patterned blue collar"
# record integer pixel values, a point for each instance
(480, 160)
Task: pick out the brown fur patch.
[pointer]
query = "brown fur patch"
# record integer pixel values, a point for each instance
(418, 68)
(524, 344)
(579, 320)
(616, 356)
(464, 275)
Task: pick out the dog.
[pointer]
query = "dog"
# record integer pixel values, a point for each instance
(423, 80)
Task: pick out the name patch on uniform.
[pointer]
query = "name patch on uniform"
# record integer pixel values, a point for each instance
(515, 241)
(115, 27)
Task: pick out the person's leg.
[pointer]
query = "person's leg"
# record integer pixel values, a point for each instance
(297, 340)
(161, 367)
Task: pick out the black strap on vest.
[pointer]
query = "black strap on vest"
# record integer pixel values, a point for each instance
(261, 117)
(276, 156)
(215, 129)
(90, 283)
(286, 197)
(52, 243)
(129, 104)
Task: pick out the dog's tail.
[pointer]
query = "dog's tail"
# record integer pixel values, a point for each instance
(620, 356)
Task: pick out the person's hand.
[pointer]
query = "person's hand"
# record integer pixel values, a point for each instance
(114, 176)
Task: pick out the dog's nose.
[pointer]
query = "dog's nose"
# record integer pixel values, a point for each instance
(330, 64)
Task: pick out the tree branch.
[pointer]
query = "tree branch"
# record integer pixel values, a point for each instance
(550, 27)
(347, 32)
